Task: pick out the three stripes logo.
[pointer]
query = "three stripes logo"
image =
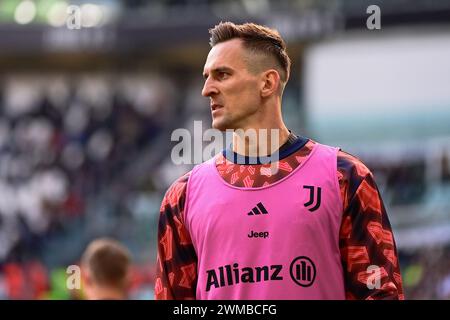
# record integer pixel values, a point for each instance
(314, 197)
(259, 209)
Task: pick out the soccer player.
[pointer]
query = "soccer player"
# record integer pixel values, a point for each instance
(316, 228)
(105, 270)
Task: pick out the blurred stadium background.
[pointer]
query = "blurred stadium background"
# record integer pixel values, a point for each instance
(86, 117)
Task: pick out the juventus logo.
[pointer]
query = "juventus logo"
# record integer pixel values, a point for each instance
(313, 197)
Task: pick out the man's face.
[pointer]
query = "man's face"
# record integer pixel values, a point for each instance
(233, 91)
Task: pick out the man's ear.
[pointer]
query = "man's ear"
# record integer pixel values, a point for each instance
(85, 277)
(270, 83)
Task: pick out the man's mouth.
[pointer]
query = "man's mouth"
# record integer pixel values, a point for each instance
(215, 106)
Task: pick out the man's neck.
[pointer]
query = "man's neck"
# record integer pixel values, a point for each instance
(259, 142)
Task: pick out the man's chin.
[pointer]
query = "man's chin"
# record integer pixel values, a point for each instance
(220, 125)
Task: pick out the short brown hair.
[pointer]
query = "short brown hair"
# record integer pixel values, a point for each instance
(256, 38)
(107, 261)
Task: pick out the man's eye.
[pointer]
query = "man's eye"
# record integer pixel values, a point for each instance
(223, 75)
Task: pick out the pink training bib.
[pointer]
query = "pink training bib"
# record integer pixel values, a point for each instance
(275, 242)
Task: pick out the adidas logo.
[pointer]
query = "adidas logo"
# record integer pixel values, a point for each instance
(259, 209)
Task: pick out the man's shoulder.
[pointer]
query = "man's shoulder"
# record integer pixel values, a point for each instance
(180, 183)
(178, 187)
(177, 191)
(349, 164)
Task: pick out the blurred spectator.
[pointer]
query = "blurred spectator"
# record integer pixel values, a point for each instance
(106, 270)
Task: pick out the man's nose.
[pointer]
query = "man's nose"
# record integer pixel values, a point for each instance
(209, 88)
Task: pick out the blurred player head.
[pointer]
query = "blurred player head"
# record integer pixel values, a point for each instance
(245, 74)
(105, 265)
